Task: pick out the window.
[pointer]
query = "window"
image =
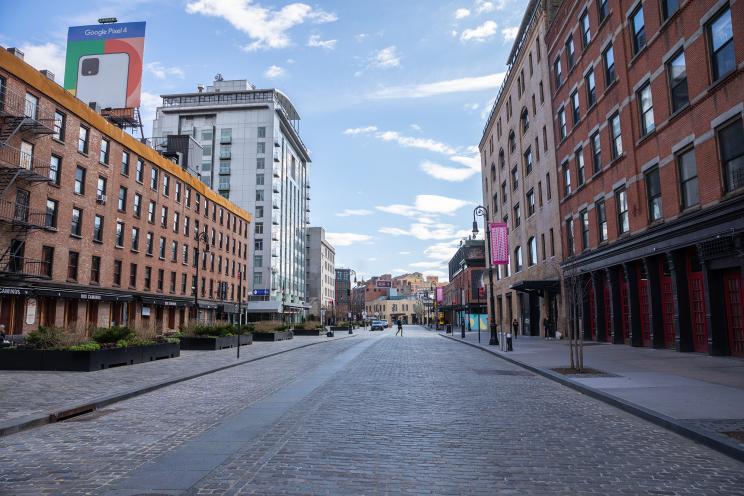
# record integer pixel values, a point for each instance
(148, 277)
(259, 212)
(532, 254)
(139, 173)
(646, 109)
(166, 185)
(591, 88)
(161, 275)
(584, 215)
(621, 200)
(47, 261)
(731, 143)
(258, 228)
(575, 109)
(603, 10)
(186, 226)
(637, 25)
(261, 132)
(552, 243)
(103, 155)
(135, 238)
(548, 189)
(530, 202)
(596, 152)
(258, 261)
(98, 228)
(517, 215)
(184, 254)
(161, 248)
(174, 251)
(76, 225)
(119, 234)
(721, 39)
(653, 192)
(154, 179)
(172, 282)
(525, 120)
(55, 163)
(512, 142)
(566, 178)
(562, 123)
(688, 179)
(669, 8)
(261, 147)
(677, 74)
(557, 72)
(515, 177)
(125, 163)
(570, 51)
(570, 236)
(59, 125)
(542, 93)
(608, 57)
(257, 278)
(137, 207)
(149, 243)
(178, 191)
(518, 262)
(188, 197)
(151, 212)
(79, 187)
(601, 220)
(616, 139)
(176, 221)
(72, 265)
(163, 216)
(580, 175)
(259, 180)
(528, 161)
(122, 205)
(95, 269)
(503, 192)
(50, 219)
(117, 272)
(586, 34)
(83, 140)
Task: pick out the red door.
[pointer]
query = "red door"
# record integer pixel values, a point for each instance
(667, 306)
(606, 298)
(643, 304)
(734, 302)
(624, 308)
(592, 313)
(697, 304)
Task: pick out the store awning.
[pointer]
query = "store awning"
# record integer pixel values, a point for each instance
(538, 287)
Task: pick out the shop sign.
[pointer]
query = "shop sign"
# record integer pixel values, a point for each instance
(30, 311)
(90, 296)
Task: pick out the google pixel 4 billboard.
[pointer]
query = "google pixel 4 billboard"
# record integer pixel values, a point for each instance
(104, 63)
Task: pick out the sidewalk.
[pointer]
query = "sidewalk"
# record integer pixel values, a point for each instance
(31, 398)
(694, 390)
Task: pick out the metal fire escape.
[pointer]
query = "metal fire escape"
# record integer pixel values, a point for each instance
(22, 123)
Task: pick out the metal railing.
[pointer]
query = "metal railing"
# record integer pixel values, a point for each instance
(25, 267)
(16, 104)
(23, 215)
(18, 159)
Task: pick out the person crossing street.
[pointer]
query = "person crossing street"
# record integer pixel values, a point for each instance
(400, 328)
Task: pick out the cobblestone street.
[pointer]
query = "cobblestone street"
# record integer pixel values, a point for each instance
(375, 414)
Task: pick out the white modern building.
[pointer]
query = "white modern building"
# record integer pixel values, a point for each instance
(321, 270)
(253, 155)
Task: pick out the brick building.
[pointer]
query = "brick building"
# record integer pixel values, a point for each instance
(343, 295)
(465, 295)
(519, 183)
(96, 228)
(647, 99)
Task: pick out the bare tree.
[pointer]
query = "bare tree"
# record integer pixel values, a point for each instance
(575, 291)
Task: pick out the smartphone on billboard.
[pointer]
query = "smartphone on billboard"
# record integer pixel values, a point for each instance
(103, 79)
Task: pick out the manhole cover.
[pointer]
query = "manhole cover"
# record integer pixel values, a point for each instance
(519, 373)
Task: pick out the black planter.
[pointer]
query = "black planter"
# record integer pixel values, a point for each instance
(85, 361)
(308, 332)
(213, 342)
(339, 328)
(273, 336)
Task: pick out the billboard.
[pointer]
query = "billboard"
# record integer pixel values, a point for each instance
(104, 63)
(499, 243)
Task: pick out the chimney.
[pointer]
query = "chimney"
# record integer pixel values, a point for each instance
(16, 52)
(95, 106)
(200, 87)
(49, 74)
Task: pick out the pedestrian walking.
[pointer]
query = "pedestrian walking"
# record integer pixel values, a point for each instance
(400, 328)
(546, 327)
(515, 327)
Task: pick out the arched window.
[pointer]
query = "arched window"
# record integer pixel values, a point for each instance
(532, 243)
(493, 171)
(502, 161)
(525, 119)
(512, 142)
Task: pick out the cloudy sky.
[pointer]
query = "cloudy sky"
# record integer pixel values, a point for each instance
(393, 97)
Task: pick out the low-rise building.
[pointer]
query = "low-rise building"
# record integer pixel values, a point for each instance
(464, 298)
(392, 308)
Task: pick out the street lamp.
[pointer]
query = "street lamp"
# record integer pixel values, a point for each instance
(199, 237)
(351, 307)
(482, 211)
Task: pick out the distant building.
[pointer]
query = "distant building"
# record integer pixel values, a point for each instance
(391, 309)
(321, 273)
(465, 294)
(342, 306)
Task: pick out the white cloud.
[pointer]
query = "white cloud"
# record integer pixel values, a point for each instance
(442, 251)
(315, 42)
(510, 33)
(429, 264)
(477, 83)
(148, 104)
(446, 173)
(472, 162)
(462, 13)
(439, 204)
(353, 131)
(482, 7)
(361, 37)
(160, 71)
(386, 58)
(274, 72)
(410, 142)
(48, 56)
(350, 212)
(415, 127)
(266, 27)
(346, 239)
(480, 33)
(404, 253)
(436, 232)
(471, 106)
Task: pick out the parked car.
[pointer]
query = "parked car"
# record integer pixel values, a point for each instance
(378, 325)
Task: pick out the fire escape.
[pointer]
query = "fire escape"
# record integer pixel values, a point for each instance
(22, 122)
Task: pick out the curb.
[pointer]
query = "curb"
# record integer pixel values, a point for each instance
(13, 426)
(712, 440)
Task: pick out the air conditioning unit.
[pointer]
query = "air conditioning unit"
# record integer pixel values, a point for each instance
(101, 199)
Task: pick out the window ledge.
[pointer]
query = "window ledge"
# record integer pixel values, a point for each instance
(638, 54)
(119, 247)
(612, 84)
(76, 236)
(615, 160)
(646, 137)
(715, 85)
(98, 241)
(60, 141)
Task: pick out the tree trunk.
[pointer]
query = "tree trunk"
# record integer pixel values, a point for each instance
(571, 313)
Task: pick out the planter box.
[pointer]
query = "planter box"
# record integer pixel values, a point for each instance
(85, 361)
(308, 332)
(273, 336)
(214, 343)
(340, 328)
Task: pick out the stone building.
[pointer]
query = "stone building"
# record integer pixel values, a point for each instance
(321, 273)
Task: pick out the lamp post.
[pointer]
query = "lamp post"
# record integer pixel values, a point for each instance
(199, 237)
(482, 211)
(349, 295)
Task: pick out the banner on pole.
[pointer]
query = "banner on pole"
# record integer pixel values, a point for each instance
(499, 243)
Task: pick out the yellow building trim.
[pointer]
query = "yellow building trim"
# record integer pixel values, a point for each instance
(67, 101)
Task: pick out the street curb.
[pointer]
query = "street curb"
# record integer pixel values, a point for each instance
(710, 439)
(13, 426)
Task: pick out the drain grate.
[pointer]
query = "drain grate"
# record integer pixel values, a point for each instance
(518, 373)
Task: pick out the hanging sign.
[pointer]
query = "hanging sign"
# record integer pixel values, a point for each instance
(499, 243)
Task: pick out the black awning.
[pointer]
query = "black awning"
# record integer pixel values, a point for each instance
(538, 287)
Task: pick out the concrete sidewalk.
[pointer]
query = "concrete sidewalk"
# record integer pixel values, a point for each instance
(694, 390)
(33, 398)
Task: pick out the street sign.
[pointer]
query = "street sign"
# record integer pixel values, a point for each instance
(260, 292)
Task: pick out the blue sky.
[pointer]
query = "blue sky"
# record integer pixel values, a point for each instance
(393, 97)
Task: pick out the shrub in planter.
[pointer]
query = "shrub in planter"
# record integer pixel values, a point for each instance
(91, 346)
(115, 334)
(45, 338)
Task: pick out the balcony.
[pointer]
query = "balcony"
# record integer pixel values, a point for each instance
(277, 155)
(276, 171)
(25, 267)
(276, 187)
(24, 164)
(23, 115)
(225, 154)
(275, 204)
(22, 215)
(225, 140)
(277, 143)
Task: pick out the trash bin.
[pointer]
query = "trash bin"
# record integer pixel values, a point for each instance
(509, 342)
(494, 336)
(449, 329)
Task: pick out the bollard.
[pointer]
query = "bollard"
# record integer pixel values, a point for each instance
(494, 336)
(509, 342)
(462, 331)
(449, 329)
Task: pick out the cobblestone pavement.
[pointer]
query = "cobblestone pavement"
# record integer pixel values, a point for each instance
(412, 415)
(25, 393)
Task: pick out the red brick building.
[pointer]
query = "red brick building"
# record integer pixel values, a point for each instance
(465, 293)
(96, 228)
(648, 105)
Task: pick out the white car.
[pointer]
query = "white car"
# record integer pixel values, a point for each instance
(378, 325)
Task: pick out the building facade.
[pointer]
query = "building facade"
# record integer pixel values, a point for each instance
(253, 155)
(648, 105)
(465, 294)
(321, 273)
(520, 184)
(98, 229)
(342, 306)
(392, 308)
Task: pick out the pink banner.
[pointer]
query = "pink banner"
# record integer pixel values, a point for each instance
(440, 295)
(499, 243)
